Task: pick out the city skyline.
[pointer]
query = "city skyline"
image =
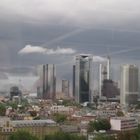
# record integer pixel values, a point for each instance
(30, 36)
(70, 69)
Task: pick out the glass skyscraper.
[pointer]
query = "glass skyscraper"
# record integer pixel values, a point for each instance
(83, 78)
(47, 82)
(104, 74)
(129, 84)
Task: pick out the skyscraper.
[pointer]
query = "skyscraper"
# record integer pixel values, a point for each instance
(14, 91)
(73, 80)
(65, 87)
(104, 74)
(83, 78)
(47, 82)
(129, 84)
(110, 89)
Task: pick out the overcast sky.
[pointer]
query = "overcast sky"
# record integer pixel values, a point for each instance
(34, 32)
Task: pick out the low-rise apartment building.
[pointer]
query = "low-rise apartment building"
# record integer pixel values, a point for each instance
(61, 109)
(123, 123)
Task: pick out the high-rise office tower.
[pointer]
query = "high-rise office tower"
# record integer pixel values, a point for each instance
(83, 78)
(73, 80)
(104, 74)
(47, 82)
(14, 91)
(65, 87)
(129, 84)
(110, 89)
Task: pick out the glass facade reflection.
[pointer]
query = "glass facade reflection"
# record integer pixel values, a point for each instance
(83, 78)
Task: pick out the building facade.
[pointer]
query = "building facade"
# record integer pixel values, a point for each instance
(73, 86)
(47, 82)
(110, 89)
(106, 113)
(104, 74)
(61, 109)
(123, 123)
(38, 128)
(15, 92)
(65, 88)
(129, 84)
(83, 78)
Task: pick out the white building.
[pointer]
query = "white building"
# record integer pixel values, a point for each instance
(129, 84)
(106, 113)
(123, 123)
(61, 109)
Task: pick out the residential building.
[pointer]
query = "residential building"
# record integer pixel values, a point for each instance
(38, 128)
(123, 123)
(106, 113)
(70, 128)
(61, 109)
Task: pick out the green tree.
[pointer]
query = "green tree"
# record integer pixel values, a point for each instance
(22, 135)
(137, 133)
(99, 124)
(23, 105)
(120, 114)
(60, 118)
(68, 103)
(137, 106)
(125, 136)
(14, 105)
(63, 136)
(2, 109)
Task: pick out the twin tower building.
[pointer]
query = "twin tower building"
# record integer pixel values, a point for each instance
(83, 80)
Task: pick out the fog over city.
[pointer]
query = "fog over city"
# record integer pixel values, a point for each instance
(34, 32)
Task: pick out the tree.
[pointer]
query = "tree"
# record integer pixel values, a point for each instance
(68, 103)
(63, 136)
(60, 118)
(22, 135)
(120, 114)
(99, 124)
(125, 136)
(33, 113)
(23, 105)
(2, 109)
(14, 105)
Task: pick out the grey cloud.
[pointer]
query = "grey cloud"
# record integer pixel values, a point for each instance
(77, 12)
